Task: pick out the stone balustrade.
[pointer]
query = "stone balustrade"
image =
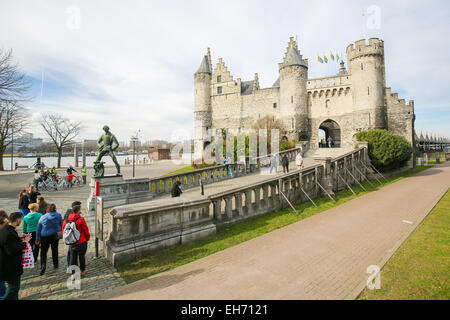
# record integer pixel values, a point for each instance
(138, 229)
(118, 191)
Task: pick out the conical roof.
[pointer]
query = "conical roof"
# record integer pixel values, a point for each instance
(292, 56)
(277, 83)
(204, 66)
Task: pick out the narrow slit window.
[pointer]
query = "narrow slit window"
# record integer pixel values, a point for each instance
(274, 105)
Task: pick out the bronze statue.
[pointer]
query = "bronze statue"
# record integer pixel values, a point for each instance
(107, 144)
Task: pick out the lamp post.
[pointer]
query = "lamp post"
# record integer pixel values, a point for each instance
(134, 139)
(12, 148)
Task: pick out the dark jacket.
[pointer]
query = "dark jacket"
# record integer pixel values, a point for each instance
(68, 213)
(33, 196)
(176, 191)
(11, 247)
(81, 227)
(24, 201)
(285, 161)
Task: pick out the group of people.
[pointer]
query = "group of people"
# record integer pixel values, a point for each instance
(274, 162)
(42, 231)
(44, 175)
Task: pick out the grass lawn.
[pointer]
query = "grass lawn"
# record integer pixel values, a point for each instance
(420, 269)
(225, 238)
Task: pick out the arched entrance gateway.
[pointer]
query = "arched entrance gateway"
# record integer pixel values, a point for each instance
(329, 128)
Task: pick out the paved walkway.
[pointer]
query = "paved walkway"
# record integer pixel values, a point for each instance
(322, 257)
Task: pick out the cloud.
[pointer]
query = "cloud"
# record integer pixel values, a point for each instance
(131, 64)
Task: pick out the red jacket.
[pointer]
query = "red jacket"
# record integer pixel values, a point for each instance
(81, 226)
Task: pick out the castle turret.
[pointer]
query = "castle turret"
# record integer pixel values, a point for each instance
(202, 102)
(366, 65)
(293, 94)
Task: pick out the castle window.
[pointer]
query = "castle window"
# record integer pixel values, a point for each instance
(219, 78)
(368, 91)
(362, 67)
(274, 105)
(219, 90)
(292, 123)
(292, 99)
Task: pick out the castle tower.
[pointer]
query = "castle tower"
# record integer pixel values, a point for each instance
(366, 65)
(202, 103)
(293, 94)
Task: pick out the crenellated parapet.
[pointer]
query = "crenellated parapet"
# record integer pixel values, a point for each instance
(362, 49)
(394, 101)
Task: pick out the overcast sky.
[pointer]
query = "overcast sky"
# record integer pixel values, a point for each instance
(130, 64)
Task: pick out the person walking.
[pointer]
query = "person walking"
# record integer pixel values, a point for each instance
(66, 219)
(11, 247)
(176, 190)
(285, 164)
(330, 142)
(78, 250)
(3, 223)
(29, 225)
(24, 202)
(299, 161)
(33, 194)
(49, 226)
(43, 205)
(84, 174)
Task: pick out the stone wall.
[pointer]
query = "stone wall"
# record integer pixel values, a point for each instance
(139, 229)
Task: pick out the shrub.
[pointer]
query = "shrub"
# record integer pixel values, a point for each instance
(387, 151)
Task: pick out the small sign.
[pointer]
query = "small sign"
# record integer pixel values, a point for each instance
(99, 218)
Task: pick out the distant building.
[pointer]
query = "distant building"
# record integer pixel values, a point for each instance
(159, 153)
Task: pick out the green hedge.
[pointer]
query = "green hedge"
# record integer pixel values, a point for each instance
(387, 151)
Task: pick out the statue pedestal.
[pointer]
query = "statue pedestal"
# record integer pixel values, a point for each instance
(113, 189)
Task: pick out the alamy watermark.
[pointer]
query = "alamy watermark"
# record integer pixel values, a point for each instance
(74, 281)
(73, 21)
(374, 279)
(373, 14)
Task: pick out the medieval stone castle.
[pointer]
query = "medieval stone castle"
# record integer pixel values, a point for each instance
(341, 105)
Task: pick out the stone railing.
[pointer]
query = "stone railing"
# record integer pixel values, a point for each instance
(138, 229)
(118, 191)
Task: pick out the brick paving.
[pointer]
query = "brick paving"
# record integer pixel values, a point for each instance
(100, 277)
(323, 257)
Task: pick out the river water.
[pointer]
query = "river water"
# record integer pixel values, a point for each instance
(66, 161)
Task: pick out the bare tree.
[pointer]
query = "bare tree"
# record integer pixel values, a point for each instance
(61, 131)
(12, 124)
(13, 84)
(13, 92)
(270, 123)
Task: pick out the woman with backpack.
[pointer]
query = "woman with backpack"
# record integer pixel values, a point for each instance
(48, 234)
(76, 234)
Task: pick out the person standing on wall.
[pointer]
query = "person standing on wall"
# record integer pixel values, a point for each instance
(11, 246)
